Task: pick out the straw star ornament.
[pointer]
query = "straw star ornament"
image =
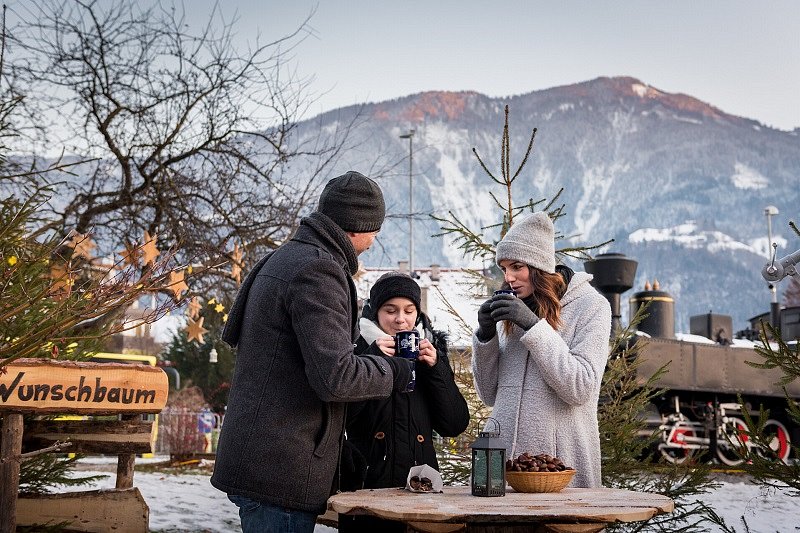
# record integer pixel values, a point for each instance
(176, 284)
(236, 264)
(193, 309)
(195, 330)
(81, 244)
(130, 255)
(149, 249)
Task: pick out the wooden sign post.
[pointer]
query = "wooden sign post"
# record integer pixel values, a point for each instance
(43, 386)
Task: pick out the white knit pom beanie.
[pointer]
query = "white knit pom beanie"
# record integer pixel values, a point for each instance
(530, 240)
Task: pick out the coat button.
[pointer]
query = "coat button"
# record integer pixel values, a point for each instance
(420, 438)
(379, 435)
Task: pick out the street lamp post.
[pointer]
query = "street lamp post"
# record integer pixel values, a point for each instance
(410, 137)
(774, 308)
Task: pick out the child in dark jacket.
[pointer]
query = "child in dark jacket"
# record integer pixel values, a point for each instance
(386, 437)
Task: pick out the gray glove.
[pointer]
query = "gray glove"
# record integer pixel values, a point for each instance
(486, 324)
(511, 308)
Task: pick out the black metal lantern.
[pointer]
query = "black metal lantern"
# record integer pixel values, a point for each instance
(489, 464)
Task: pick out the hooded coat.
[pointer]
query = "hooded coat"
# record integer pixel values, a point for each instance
(395, 433)
(294, 321)
(544, 384)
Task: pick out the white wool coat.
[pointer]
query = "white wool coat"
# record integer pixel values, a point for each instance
(544, 384)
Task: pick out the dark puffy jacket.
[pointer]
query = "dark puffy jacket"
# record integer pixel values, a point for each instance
(295, 369)
(395, 433)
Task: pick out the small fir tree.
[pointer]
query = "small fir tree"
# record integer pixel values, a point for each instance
(191, 357)
(760, 460)
(628, 444)
(59, 303)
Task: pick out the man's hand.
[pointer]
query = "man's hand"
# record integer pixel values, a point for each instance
(401, 369)
(511, 308)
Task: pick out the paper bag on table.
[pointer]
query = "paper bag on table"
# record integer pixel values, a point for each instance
(424, 478)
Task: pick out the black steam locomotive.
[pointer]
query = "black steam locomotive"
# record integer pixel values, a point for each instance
(707, 371)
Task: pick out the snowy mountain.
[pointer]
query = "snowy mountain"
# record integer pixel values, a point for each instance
(679, 184)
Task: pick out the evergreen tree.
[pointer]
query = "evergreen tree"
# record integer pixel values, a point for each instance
(57, 304)
(760, 460)
(191, 357)
(628, 445)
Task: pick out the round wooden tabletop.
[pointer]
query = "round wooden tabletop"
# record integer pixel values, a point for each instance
(457, 505)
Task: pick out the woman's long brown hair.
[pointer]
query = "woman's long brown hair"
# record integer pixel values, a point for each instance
(547, 291)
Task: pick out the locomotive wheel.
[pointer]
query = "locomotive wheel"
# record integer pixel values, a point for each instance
(675, 453)
(734, 435)
(780, 443)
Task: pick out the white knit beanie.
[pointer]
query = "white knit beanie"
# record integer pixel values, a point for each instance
(530, 240)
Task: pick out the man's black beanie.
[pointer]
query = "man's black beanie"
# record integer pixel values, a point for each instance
(392, 285)
(354, 202)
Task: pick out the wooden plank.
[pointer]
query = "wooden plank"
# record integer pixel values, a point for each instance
(68, 387)
(121, 511)
(90, 436)
(10, 449)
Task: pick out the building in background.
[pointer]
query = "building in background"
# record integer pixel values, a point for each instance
(450, 297)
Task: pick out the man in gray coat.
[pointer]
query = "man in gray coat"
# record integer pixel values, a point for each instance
(294, 323)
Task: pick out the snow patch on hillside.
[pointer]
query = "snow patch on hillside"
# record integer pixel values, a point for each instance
(688, 235)
(639, 89)
(687, 119)
(745, 177)
(597, 180)
(458, 193)
(762, 246)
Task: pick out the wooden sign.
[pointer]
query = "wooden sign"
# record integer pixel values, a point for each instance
(45, 386)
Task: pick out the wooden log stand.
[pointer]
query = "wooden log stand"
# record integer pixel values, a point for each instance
(45, 387)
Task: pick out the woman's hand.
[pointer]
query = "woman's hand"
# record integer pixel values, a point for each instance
(511, 308)
(486, 324)
(427, 353)
(386, 344)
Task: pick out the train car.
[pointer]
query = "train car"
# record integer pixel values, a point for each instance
(707, 372)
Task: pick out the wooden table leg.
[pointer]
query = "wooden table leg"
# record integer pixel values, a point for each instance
(10, 451)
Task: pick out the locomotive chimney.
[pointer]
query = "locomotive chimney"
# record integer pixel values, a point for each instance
(613, 274)
(660, 319)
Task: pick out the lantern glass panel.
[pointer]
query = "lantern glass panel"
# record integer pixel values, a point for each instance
(498, 478)
(479, 470)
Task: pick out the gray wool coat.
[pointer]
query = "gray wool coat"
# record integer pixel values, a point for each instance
(295, 370)
(544, 384)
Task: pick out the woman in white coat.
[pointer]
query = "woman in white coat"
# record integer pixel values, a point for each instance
(539, 355)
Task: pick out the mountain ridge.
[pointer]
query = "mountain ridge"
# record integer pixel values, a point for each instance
(628, 156)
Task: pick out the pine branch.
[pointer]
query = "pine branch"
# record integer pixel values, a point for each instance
(485, 168)
(527, 153)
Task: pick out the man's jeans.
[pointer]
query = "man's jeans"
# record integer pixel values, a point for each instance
(258, 517)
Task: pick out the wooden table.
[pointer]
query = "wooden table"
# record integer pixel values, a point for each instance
(571, 510)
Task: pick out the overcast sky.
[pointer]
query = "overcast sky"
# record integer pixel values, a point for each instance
(740, 56)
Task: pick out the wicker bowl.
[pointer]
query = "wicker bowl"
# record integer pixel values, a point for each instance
(539, 481)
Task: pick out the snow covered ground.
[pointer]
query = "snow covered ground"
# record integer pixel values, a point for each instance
(188, 502)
